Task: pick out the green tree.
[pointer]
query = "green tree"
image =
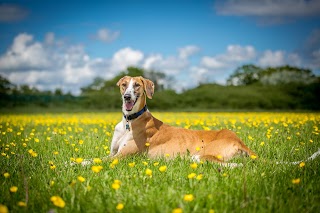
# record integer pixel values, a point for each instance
(287, 74)
(245, 75)
(5, 86)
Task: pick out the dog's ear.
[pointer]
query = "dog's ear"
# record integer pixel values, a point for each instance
(148, 87)
(121, 79)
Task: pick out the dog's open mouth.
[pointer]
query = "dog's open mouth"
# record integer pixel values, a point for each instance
(129, 105)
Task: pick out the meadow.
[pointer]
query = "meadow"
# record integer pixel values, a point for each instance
(37, 151)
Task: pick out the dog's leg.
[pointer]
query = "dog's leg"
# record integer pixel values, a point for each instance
(119, 132)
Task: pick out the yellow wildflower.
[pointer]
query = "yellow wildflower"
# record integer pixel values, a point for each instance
(120, 206)
(194, 165)
(116, 184)
(147, 144)
(132, 164)
(79, 160)
(13, 189)
(58, 201)
(3, 209)
(149, 172)
(302, 164)
(96, 169)
(296, 181)
(177, 210)
(219, 157)
(114, 163)
(145, 163)
(6, 175)
(97, 160)
(81, 179)
(199, 177)
(253, 157)
(192, 175)
(22, 204)
(163, 168)
(188, 197)
(80, 142)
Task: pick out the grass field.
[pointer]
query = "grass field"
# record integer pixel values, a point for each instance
(36, 176)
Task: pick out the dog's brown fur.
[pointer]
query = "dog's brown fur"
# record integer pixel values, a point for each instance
(213, 145)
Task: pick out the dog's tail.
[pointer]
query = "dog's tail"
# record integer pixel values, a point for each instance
(312, 157)
(249, 152)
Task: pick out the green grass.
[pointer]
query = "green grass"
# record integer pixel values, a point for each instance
(260, 185)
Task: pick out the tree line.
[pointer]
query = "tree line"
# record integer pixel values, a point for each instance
(249, 87)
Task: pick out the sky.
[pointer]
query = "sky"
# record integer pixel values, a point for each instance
(66, 44)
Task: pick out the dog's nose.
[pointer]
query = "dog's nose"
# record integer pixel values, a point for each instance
(127, 97)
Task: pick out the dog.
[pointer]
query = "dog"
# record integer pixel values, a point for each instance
(140, 132)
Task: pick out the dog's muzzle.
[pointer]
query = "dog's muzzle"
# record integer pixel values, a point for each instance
(128, 102)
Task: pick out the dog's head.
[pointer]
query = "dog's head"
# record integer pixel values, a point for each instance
(134, 91)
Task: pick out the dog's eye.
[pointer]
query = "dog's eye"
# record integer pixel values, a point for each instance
(124, 84)
(137, 85)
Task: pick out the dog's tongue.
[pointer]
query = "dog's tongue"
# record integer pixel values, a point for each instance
(129, 105)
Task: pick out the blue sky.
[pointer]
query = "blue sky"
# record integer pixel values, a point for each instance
(65, 44)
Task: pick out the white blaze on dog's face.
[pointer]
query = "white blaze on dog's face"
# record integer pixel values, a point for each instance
(133, 91)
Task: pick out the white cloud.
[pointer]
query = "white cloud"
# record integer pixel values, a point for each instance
(234, 55)
(24, 54)
(170, 65)
(270, 58)
(269, 8)
(107, 35)
(125, 57)
(151, 61)
(12, 13)
(188, 51)
(48, 66)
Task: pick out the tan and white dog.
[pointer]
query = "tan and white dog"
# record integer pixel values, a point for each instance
(140, 132)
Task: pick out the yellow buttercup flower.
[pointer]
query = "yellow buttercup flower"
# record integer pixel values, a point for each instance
(119, 206)
(115, 186)
(296, 181)
(194, 165)
(58, 201)
(79, 160)
(96, 169)
(22, 204)
(199, 177)
(13, 189)
(149, 172)
(6, 175)
(188, 197)
(163, 168)
(81, 179)
(97, 160)
(253, 157)
(3, 209)
(177, 210)
(192, 175)
(132, 164)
